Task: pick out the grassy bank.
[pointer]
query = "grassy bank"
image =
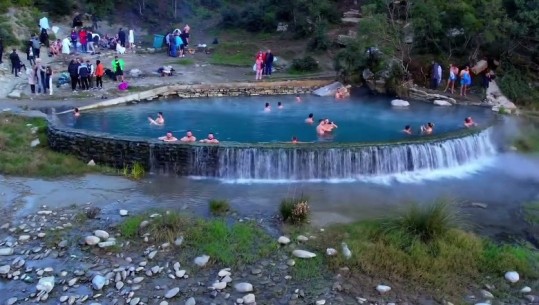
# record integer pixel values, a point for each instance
(234, 54)
(230, 244)
(17, 157)
(424, 248)
(528, 141)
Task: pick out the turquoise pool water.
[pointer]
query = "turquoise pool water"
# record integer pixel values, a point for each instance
(243, 119)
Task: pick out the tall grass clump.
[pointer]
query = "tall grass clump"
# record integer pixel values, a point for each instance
(168, 226)
(295, 210)
(135, 171)
(425, 247)
(130, 227)
(219, 207)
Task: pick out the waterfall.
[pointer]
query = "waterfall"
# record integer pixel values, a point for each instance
(308, 163)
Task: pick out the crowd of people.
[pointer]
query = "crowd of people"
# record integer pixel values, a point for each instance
(177, 41)
(463, 75)
(263, 64)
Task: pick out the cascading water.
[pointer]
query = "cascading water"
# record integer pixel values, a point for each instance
(306, 163)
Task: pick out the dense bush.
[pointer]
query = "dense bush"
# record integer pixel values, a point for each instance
(305, 64)
(320, 40)
(294, 210)
(219, 207)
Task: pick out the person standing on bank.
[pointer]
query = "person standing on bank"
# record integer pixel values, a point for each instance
(1, 50)
(435, 75)
(99, 73)
(36, 45)
(121, 37)
(268, 64)
(15, 63)
(118, 68)
(73, 70)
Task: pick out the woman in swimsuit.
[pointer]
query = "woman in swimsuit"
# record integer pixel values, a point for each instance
(159, 120)
(453, 72)
(465, 81)
(428, 128)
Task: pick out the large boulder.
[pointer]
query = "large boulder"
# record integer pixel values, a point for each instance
(442, 103)
(498, 101)
(328, 90)
(400, 103)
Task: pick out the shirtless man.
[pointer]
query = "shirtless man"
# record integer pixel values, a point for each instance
(407, 130)
(267, 107)
(168, 137)
(310, 119)
(294, 140)
(428, 128)
(298, 98)
(211, 139)
(329, 126)
(189, 137)
(76, 112)
(469, 123)
(159, 120)
(320, 129)
(280, 105)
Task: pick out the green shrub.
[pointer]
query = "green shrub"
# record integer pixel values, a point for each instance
(219, 207)
(320, 40)
(130, 227)
(168, 227)
(305, 64)
(294, 210)
(424, 223)
(135, 171)
(528, 141)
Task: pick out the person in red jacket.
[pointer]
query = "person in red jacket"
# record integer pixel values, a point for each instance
(83, 38)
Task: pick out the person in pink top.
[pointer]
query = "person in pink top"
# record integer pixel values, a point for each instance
(259, 66)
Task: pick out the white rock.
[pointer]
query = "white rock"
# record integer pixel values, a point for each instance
(91, 163)
(24, 237)
(201, 261)
(34, 143)
(45, 284)
(512, 276)
(138, 279)
(135, 73)
(123, 212)
(15, 94)
(526, 289)
(152, 254)
(134, 301)
(180, 273)
(6, 251)
(106, 244)
(243, 287)
(190, 301)
(227, 279)
(172, 293)
(92, 240)
(5, 269)
(249, 299)
(219, 285)
(483, 304)
(144, 224)
(486, 294)
(303, 254)
(11, 301)
(98, 282)
(239, 301)
(224, 272)
(119, 285)
(302, 238)
(283, 240)
(72, 281)
(383, 288)
(179, 241)
(400, 103)
(346, 251)
(442, 103)
(102, 234)
(156, 269)
(320, 302)
(163, 303)
(331, 251)
(44, 212)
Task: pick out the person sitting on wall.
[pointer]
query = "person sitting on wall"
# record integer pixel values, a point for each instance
(211, 139)
(188, 137)
(168, 137)
(159, 120)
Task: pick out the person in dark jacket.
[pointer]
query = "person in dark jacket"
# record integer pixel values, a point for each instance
(44, 38)
(73, 70)
(268, 63)
(15, 63)
(1, 49)
(121, 37)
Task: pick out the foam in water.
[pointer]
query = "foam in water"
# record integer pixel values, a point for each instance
(381, 164)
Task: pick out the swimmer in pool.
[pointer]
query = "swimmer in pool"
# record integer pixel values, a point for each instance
(211, 139)
(407, 130)
(294, 140)
(298, 98)
(320, 129)
(168, 137)
(76, 112)
(280, 105)
(267, 107)
(189, 137)
(310, 119)
(159, 120)
(428, 128)
(469, 123)
(329, 126)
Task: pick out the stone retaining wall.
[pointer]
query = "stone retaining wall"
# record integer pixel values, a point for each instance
(216, 90)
